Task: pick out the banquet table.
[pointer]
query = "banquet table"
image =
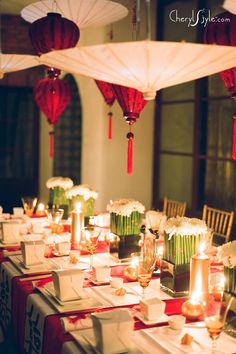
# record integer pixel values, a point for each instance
(36, 324)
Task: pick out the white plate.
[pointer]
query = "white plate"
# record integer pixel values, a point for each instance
(7, 244)
(32, 265)
(89, 303)
(95, 282)
(163, 318)
(50, 288)
(57, 254)
(85, 339)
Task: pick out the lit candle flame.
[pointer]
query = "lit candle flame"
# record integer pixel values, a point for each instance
(202, 247)
(78, 207)
(160, 251)
(195, 297)
(222, 281)
(134, 262)
(41, 207)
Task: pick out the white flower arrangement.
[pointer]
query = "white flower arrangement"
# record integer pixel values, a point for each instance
(227, 253)
(62, 182)
(125, 207)
(83, 190)
(185, 226)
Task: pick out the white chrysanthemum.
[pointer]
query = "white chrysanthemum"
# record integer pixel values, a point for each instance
(227, 253)
(155, 219)
(125, 207)
(185, 226)
(84, 190)
(62, 182)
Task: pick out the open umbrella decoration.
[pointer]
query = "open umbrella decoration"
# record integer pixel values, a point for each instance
(147, 65)
(132, 103)
(84, 13)
(230, 5)
(223, 33)
(107, 92)
(16, 62)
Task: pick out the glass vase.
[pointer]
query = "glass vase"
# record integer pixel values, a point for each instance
(175, 265)
(229, 291)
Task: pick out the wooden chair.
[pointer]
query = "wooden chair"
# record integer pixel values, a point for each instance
(220, 222)
(173, 208)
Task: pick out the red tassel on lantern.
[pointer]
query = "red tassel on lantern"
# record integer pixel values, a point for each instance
(222, 32)
(51, 144)
(132, 103)
(234, 138)
(110, 125)
(130, 153)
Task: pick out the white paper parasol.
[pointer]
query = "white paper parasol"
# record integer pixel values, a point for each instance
(85, 13)
(16, 62)
(230, 5)
(147, 65)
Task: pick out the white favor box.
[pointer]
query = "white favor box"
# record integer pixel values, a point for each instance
(18, 211)
(63, 247)
(152, 308)
(10, 231)
(32, 252)
(68, 284)
(113, 331)
(102, 273)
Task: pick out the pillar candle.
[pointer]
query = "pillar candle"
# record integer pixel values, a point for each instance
(77, 224)
(40, 210)
(199, 276)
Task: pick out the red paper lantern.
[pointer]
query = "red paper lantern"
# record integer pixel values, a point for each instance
(53, 32)
(132, 104)
(223, 32)
(109, 97)
(52, 96)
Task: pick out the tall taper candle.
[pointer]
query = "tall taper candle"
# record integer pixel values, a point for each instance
(199, 276)
(77, 224)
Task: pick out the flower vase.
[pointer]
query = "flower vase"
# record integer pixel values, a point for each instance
(127, 231)
(175, 265)
(58, 199)
(87, 206)
(229, 291)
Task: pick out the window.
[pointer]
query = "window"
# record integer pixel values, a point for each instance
(19, 136)
(194, 125)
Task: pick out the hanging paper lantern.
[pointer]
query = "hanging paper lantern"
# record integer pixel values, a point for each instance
(53, 32)
(223, 32)
(52, 96)
(109, 97)
(132, 103)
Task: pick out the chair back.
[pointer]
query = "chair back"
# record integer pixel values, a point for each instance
(173, 208)
(219, 221)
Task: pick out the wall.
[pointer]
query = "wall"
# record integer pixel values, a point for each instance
(104, 161)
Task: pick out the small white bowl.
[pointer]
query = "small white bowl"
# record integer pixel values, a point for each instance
(116, 282)
(176, 321)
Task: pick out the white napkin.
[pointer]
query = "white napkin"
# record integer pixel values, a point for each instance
(70, 324)
(108, 294)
